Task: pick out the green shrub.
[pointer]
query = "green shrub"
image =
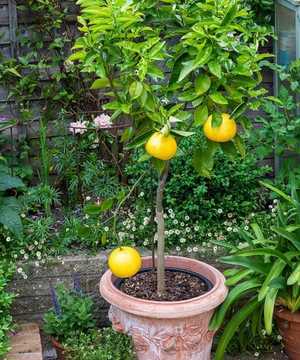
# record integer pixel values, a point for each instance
(6, 272)
(232, 188)
(71, 315)
(105, 344)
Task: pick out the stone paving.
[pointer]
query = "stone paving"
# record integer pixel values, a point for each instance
(26, 343)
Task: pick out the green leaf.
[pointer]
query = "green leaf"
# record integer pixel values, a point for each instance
(10, 182)
(136, 89)
(14, 72)
(240, 145)
(202, 84)
(218, 98)
(295, 276)
(107, 204)
(139, 140)
(200, 115)
(233, 326)
(100, 84)
(269, 309)
(230, 14)
(9, 215)
(279, 192)
(159, 165)
(253, 264)
(182, 133)
(191, 65)
(294, 239)
(238, 277)
(275, 271)
(235, 294)
(203, 159)
(229, 149)
(215, 68)
(92, 209)
(265, 252)
(217, 120)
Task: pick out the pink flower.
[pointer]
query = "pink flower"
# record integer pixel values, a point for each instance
(78, 127)
(102, 121)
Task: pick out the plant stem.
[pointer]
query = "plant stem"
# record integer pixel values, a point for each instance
(116, 212)
(161, 230)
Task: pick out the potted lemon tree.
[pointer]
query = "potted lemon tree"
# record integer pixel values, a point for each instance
(175, 69)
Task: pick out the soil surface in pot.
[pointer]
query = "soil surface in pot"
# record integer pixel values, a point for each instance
(179, 286)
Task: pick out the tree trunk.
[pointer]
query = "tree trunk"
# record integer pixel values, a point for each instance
(161, 231)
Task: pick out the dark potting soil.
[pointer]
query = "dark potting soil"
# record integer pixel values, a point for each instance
(179, 286)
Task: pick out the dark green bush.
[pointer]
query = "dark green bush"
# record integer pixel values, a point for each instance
(105, 344)
(233, 187)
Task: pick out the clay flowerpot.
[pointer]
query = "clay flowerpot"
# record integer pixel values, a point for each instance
(60, 350)
(167, 330)
(289, 328)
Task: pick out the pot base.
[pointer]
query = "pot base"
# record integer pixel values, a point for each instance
(168, 339)
(289, 328)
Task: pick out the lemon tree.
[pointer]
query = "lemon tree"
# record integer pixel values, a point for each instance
(170, 66)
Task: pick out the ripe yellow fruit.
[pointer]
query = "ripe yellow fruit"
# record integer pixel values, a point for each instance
(223, 133)
(161, 146)
(124, 262)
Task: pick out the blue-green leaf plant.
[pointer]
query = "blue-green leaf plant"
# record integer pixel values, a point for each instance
(266, 272)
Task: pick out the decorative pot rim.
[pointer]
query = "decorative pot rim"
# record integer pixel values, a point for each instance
(285, 314)
(169, 309)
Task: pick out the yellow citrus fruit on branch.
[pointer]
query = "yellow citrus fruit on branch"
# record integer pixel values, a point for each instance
(223, 133)
(161, 146)
(124, 262)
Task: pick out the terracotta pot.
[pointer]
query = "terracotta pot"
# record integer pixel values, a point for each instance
(60, 350)
(167, 330)
(289, 328)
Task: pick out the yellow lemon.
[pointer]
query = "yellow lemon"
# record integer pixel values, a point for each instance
(161, 146)
(124, 262)
(223, 133)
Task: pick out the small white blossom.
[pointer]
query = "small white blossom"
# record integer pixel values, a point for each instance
(78, 127)
(20, 270)
(196, 228)
(229, 229)
(229, 215)
(178, 248)
(246, 228)
(182, 240)
(189, 249)
(195, 249)
(186, 218)
(175, 222)
(106, 228)
(88, 198)
(220, 211)
(177, 232)
(209, 234)
(8, 239)
(23, 216)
